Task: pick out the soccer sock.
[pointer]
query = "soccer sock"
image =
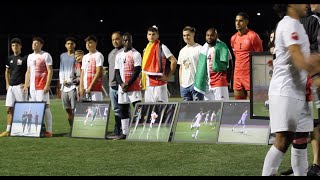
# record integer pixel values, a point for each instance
(299, 161)
(8, 128)
(272, 161)
(125, 126)
(197, 132)
(48, 116)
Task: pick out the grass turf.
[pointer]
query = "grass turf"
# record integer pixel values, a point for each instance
(60, 155)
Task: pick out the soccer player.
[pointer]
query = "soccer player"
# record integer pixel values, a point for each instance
(213, 119)
(95, 112)
(29, 121)
(66, 76)
(78, 55)
(287, 91)
(154, 76)
(89, 112)
(242, 122)
(16, 67)
(24, 120)
(153, 118)
(128, 69)
(188, 61)
(206, 119)
(196, 124)
(242, 43)
(105, 113)
(38, 78)
(212, 68)
(36, 121)
(91, 76)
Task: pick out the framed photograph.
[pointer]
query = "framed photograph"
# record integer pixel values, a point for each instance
(261, 73)
(237, 127)
(152, 122)
(198, 121)
(27, 119)
(91, 119)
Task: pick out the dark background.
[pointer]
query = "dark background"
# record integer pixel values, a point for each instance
(54, 21)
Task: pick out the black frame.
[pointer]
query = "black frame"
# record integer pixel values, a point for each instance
(39, 132)
(87, 126)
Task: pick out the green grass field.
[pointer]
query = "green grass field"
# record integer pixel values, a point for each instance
(60, 155)
(184, 133)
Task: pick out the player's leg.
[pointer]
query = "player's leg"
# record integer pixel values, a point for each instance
(299, 160)
(239, 92)
(124, 109)
(41, 96)
(9, 104)
(186, 94)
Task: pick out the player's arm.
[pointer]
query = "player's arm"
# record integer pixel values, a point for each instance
(49, 78)
(173, 66)
(98, 74)
(27, 80)
(7, 76)
(257, 44)
(311, 65)
(137, 69)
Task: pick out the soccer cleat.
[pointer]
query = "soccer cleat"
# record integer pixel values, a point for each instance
(5, 134)
(48, 134)
(122, 136)
(314, 170)
(288, 172)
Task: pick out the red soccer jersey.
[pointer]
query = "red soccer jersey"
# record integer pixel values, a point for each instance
(242, 45)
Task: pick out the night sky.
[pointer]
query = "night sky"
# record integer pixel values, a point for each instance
(54, 21)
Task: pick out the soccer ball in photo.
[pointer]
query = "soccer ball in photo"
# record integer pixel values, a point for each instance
(193, 135)
(266, 104)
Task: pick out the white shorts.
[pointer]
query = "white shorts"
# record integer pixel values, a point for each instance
(96, 96)
(289, 114)
(197, 125)
(129, 97)
(217, 93)
(15, 93)
(156, 94)
(39, 95)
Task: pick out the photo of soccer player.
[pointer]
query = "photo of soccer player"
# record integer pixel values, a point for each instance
(237, 127)
(152, 122)
(91, 119)
(196, 123)
(27, 119)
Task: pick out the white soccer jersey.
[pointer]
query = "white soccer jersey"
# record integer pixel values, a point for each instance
(287, 80)
(188, 59)
(38, 69)
(88, 61)
(198, 118)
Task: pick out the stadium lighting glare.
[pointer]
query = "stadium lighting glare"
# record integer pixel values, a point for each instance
(258, 14)
(101, 20)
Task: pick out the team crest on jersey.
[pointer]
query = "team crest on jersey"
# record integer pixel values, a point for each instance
(295, 36)
(19, 62)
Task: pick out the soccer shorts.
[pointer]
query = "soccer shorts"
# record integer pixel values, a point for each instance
(217, 93)
(241, 83)
(96, 96)
(289, 114)
(15, 93)
(129, 97)
(69, 99)
(156, 94)
(39, 95)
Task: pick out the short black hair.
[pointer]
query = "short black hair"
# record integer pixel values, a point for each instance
(91, 37)
(127, 34)
(38, 39)
(16, 40)
(280, 9)
(70, 39)
(244, 15)
(153, 28)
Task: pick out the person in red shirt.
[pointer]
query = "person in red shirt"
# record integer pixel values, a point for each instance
(243, 42)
